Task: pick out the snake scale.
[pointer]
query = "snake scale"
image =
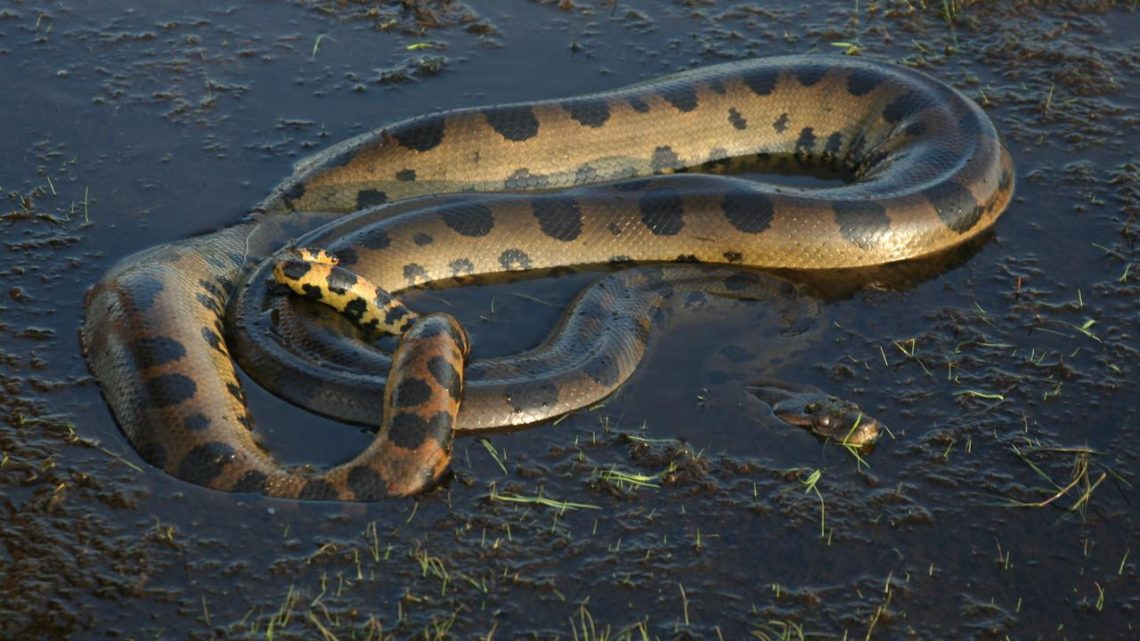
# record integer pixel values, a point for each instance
(595, 179)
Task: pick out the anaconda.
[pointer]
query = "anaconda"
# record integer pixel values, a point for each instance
(591, 179)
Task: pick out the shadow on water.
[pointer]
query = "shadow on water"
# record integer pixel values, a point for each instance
(1002, 505)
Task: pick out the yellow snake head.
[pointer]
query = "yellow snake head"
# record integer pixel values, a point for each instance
(824, 415)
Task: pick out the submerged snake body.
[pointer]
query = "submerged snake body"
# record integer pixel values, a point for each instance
(928, 172)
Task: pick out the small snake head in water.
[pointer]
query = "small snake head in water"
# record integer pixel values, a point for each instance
(823, 414)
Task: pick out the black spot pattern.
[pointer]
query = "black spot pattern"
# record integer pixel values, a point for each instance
(513, 123)
(406, 175)
(861, 222)
(408, 430)
(781, 123)
(312, 291)
(590, 113)
(559, 217)
(514, 259)
(196, 422)
(461, 267)
(415, 274)
(421, 239)
(421, 135)
(167, 390)
(144, 291)
(251, 481)
(354, 310)
(862, 82)
(204, 463)
(810, 74)
(366, 484)
(469, 219)
(805, 146)
(683, 98)
(523, 179)
(160, 350)
(410, 392)
(761, 81)
(956, 206)
(212, 338)
(374, 239)
(366, 198)
(717, 86)
(317, 490)
(903, 106)
(395, 315)
(738, 121)
(445, 374)
(664, 159)
(296, 269)
(529, 394)
(734, 256)
(341, 280)
(639, 105)
(748, 211)
(686, 258)
(662, 213)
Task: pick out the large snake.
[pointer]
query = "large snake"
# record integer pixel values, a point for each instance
(586, 180)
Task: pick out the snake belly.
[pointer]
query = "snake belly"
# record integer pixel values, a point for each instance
(585, 180)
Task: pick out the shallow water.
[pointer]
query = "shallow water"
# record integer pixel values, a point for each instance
(1006, 377)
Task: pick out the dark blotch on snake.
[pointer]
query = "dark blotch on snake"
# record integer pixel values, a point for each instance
(733, 256)
(781, 123)
(761, 81)
(406, 175)
(341, 280)
(408, 430)
(366, 198)
(516, 123)
(420, 135)
(296, 269)
(415, 274)
(662, 213)
(861, 221)
(740, 281)
(955, 205)
(664, 158)
(204, 463)
(737, 120)
(446, 375)
(559, 217)
(354, 310)
(317, 490)
(196, 422)
(461, 267)
(591, 112)
(903, 106)
(143, 291)
(410, 392)
(469, 219)
(748, 211)
(862, 82)
(683, 98)
(421, 239)
(312, 291)
(514, 259)
(366, 483)
(810, 74)
(604, 371)
(374, 239)
(159, 350)
(639, 105)
(251, 481)
(166, 390)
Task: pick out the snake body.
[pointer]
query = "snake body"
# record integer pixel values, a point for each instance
(586, 180)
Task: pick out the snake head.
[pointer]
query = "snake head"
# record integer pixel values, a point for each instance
(822, 414)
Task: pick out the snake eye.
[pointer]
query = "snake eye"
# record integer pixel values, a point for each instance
(811, 408)
(825, 420)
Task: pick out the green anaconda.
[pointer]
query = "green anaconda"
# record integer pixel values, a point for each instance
(586, 180)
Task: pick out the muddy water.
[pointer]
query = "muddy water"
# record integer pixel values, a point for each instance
(1004, 506)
